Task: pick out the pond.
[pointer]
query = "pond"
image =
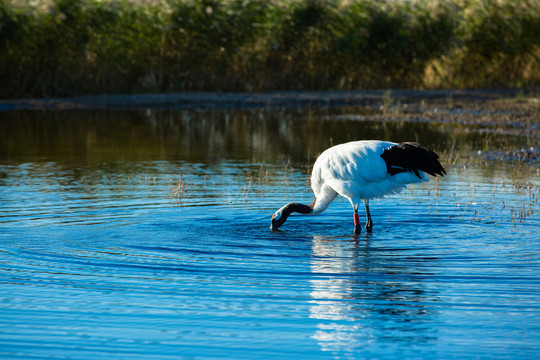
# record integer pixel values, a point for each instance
(145, 234)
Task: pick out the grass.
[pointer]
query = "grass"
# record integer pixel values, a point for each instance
(178, 190)
(73, 47)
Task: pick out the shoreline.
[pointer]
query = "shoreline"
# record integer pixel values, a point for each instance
(275, 99)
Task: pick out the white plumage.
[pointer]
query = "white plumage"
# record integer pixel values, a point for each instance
(360, 171)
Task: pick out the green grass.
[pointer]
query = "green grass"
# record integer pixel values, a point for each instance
(74, 47)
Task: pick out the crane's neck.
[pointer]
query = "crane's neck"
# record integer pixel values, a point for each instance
(282, 214)
(296, 207)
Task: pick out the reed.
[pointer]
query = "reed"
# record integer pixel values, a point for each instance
(178, 189)
(72, 47)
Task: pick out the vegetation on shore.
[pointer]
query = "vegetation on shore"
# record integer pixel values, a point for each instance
(74, 47)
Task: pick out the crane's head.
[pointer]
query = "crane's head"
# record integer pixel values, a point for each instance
(277, 220)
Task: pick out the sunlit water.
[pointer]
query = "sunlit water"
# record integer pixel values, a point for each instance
(146, 235)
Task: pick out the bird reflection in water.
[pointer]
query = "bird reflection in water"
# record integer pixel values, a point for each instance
(367, 297)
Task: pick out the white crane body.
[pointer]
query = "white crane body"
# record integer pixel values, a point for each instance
(363, 170)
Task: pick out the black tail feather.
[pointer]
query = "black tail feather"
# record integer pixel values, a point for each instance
(410, 156)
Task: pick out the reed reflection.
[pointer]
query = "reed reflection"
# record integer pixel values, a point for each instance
(95, 138)
(361, 294)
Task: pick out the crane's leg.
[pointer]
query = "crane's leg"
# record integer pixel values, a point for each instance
(369, 223)
(355, 202)
(357, 227)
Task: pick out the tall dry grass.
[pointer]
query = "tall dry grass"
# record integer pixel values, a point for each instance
(71, 47)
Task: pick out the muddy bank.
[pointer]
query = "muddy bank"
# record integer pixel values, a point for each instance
(287, 99)
(504, 115)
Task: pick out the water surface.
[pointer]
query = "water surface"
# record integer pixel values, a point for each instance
(146, 234)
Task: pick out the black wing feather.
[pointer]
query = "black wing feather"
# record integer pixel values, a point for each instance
(410, 156)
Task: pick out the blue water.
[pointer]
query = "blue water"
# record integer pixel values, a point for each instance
(134, 250)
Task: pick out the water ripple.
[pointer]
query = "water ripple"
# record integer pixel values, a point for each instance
(173, 259)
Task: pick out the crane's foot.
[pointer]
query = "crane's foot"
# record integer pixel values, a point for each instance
(369, 227)
(357, 229)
